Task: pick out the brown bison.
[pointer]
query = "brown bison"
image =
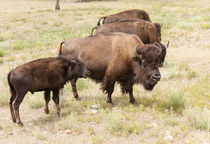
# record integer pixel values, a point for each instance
(125, 15)
(49, 74)
(148, 32)
(110, 58)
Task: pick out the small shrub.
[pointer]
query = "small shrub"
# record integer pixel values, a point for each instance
(70, 122)
(41, 135)
(199, 118)
(97, 140)
(175, 101)
(35, 101)
(191, 74)
(1, 61)
(205, 26)
(174, 73)
(1, 53)
(82, 84)
(132, 129)
(4, 99)
(115, 122)
(18, 45)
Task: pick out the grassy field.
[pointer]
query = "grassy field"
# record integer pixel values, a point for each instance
(176, 111)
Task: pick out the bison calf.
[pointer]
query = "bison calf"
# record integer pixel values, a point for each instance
(49, 74)
(125, 15)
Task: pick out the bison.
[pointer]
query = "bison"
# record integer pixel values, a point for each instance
(48, 74)
(125, 15)
(115, 57)
(148, 32)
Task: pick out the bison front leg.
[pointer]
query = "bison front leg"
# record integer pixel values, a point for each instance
(108, 87)
(128, 88)
(56, 100)
(47, 99)
(74, 88)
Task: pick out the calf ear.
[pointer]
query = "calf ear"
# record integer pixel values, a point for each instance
(72, 63)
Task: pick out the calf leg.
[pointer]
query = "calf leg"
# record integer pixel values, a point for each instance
(12, 98)
(108, 87)
(74, 88)
(128, 88)
(47, 99)
(16, 105)
(56, 100)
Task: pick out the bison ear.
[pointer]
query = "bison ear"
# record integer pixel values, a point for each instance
(72, 63)
(158, 26)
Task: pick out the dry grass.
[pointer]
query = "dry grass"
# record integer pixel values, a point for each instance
(178, 106)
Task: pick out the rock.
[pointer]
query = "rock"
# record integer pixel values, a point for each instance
(95, 106)
(94, 111)
(68, 132)
(168, 136)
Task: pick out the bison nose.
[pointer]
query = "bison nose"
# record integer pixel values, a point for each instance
(156, 77)
(160, 64)
(86, 74)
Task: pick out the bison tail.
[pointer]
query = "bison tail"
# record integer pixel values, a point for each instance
(61, 47)
(99, 21)
(93, 30)
(12, 89)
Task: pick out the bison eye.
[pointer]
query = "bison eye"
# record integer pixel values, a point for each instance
(145, 64)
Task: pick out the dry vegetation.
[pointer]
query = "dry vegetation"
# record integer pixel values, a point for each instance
(176, 111)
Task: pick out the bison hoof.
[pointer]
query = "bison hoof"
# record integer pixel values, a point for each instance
(133, 101)
(14, 120)
(46, 111)
(20, 124)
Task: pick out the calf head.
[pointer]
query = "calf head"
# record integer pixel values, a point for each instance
(77, 69)
(147, 72)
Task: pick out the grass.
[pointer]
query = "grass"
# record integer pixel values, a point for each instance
(199, 118)
(178, 103)
(36, 101)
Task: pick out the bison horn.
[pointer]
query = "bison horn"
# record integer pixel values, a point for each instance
(167, 45)
(135, 52)
(157, 44)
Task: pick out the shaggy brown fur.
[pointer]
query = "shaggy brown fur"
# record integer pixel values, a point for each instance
(125, 15)
(148, 32)
(49, 74)
(110, 58)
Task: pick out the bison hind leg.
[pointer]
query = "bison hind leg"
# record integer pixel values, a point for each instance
(108, 87)
(16, 104)
(11, 100)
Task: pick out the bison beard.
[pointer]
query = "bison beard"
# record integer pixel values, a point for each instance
(110, 59)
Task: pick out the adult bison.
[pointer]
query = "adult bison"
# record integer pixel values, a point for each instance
(49, 74)
(125, 15)
(148, 32)
(115, 57)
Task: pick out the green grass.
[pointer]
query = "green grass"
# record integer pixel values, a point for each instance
(36, 100)
(1, 53)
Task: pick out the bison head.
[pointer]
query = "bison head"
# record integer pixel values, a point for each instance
(77, 69)
(147, 72)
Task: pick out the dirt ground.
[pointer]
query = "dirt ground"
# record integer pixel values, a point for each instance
(177, 111)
